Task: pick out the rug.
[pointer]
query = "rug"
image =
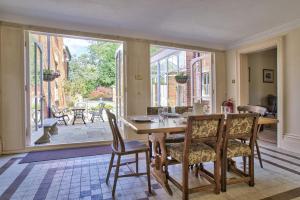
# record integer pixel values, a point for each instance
(38, 156)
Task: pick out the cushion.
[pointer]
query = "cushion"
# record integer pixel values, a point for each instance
(241, 126)
(236, 148)
(199, 152)
(204, 128)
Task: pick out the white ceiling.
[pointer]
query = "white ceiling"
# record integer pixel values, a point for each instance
(210, 23)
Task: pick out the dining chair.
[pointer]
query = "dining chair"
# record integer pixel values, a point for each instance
(121, 148)
(183, 109)
(261, 111)
(193, 151)
(171, 138)
(239, 126)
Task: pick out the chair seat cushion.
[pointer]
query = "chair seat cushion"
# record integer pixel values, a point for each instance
(199, 152)
(135, 145)
(236, 148)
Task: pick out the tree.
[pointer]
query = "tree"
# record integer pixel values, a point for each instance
(95, 68)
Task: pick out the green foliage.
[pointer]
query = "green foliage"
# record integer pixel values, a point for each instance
(95, 68)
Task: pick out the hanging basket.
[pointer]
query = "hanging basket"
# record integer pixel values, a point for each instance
(50, 75)
(181, 79)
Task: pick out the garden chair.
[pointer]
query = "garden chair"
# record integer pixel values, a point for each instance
(98, 113)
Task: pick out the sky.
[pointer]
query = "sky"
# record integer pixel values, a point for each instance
(77, 46)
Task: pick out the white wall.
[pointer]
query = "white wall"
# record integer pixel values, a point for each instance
(258, 90)
(289, 138)
(137, 83)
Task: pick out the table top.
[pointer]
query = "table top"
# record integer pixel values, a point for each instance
(170, 124)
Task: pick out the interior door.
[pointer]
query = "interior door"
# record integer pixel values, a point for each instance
(119, 83)
(38, 97)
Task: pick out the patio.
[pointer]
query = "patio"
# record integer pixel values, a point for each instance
(77, 133)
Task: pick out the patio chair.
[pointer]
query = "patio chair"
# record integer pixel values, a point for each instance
(123, 148)
(61, 115)
(194, 151)
(98, 113)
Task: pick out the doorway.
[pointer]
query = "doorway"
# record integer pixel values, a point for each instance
(71, 81)
(262, 75)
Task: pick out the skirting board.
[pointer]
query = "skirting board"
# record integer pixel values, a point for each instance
(290, 142)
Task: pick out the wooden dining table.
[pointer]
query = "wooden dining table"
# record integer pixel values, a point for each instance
(158, 131)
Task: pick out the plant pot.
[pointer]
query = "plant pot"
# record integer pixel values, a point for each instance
(48, 77)
(181, 79)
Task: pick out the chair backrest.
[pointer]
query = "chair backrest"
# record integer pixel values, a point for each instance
(182, 109)
(101, 107)
(241, 126)
(118, 143)
(54, 110)
(272, 103)
(252, 109)
(81, 105)
(154, 110)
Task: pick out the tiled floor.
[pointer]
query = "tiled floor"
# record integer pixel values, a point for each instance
(83, 178)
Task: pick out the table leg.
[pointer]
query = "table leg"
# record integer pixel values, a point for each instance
(158, 164)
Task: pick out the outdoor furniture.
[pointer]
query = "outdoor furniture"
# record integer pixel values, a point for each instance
(122, 148)
(98, 113)
(239, 126)
(59, 114)
(159, 132)
(194, 151)
(50, 128)
(78, 114)
(261, 111)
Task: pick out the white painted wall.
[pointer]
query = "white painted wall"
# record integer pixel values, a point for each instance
(258, 90)
(290, 46)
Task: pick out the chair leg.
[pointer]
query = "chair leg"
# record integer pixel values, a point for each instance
(137, 163)
(258, 154)
(150, 148)
(101, 118)
(223, 174)
(148, 171)
(65, 121)
(244, 163)
(217, 176)
(251, 170)
(185, 181)
(110, 167)
(116, 175)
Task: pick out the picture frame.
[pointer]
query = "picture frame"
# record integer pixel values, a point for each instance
(268, 75)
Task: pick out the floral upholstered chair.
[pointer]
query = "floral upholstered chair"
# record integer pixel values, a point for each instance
(194, 150)
(239, 128)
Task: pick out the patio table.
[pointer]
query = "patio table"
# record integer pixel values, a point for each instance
(78, 113)
(158, 132)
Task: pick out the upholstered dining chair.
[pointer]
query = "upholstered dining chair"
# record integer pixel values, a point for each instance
(171, 138)
(261, 111)
(182, 109)
(239, 126)
(194, 151)
(121, 148)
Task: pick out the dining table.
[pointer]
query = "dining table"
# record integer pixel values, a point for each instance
(158, 130)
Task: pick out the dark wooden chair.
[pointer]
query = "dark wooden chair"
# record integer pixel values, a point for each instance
(182, 109)
(98, 113)
(61, 115)
(239, 126)
(194, 151)
(121, 148)
(171, 138)
(261, 111)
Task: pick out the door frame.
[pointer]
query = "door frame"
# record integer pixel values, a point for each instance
(241, 83)
(27, 87)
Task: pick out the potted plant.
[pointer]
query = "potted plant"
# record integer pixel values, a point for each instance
(181, 78)
(50, 75)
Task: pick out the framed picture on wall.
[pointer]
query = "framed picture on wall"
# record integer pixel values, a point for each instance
(268, 75)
